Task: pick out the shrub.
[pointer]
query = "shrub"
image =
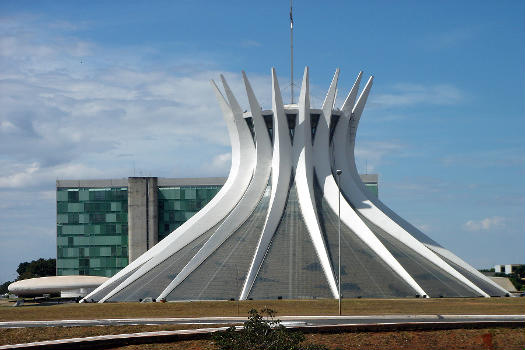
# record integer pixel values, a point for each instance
(262, 333)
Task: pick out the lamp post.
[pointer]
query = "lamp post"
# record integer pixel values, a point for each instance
(339, 172)
(237, 286)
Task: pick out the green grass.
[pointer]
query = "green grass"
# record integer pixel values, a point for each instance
(283, 307)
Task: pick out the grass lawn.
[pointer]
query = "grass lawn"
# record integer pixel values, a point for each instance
(283, 307)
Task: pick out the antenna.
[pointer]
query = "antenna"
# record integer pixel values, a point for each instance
(291, 50)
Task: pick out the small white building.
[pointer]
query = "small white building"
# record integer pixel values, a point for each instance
(506, 269)
(67, 286)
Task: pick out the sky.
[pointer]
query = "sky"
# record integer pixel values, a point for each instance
(111, 89)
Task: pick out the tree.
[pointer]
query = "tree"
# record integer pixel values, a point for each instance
(3, 287)
(32, 269)
(262, 334)
(36, 268)
(517, 277)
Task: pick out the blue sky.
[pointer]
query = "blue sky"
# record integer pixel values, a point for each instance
(99, 89)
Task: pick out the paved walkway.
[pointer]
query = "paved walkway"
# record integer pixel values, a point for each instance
(286, 320)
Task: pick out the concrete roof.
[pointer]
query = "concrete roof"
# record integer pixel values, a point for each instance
(505, 283)
(162, 182)
(54, 284)
(369, 178)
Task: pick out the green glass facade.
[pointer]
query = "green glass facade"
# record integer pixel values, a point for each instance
(373, 188)
(178, 204)
(92, 224)
(92, 231)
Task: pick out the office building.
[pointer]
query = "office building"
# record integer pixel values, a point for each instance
(102, 225)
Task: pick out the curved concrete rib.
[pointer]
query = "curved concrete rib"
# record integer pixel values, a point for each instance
(353, 115)
(349, 101)
(395, 219)
(353, 188)
(405, 225)
(234, 170)
(248, 202)
(455, 259)
(243, 162)
(281, 170)
(304, 180)
(331, 192)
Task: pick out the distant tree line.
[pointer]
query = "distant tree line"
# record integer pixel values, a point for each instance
(32, 269)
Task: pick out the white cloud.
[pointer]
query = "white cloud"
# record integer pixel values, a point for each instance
(220, 164)
(414, 94)
(250, 43)
(64, 119)
(487, 158)
(422, 187)
(18, 179)
(451, 38)
(486, 224)
(370, 155)
(33, 174)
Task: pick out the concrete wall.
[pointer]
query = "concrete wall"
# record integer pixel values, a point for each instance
(142, 215)
(153, 212)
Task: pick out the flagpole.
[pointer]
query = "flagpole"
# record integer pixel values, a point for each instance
(291, 50)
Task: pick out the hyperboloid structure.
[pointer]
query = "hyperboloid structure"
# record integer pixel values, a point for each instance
(273, 229)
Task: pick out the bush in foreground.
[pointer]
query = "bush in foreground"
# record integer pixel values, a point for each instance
(262, 333)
